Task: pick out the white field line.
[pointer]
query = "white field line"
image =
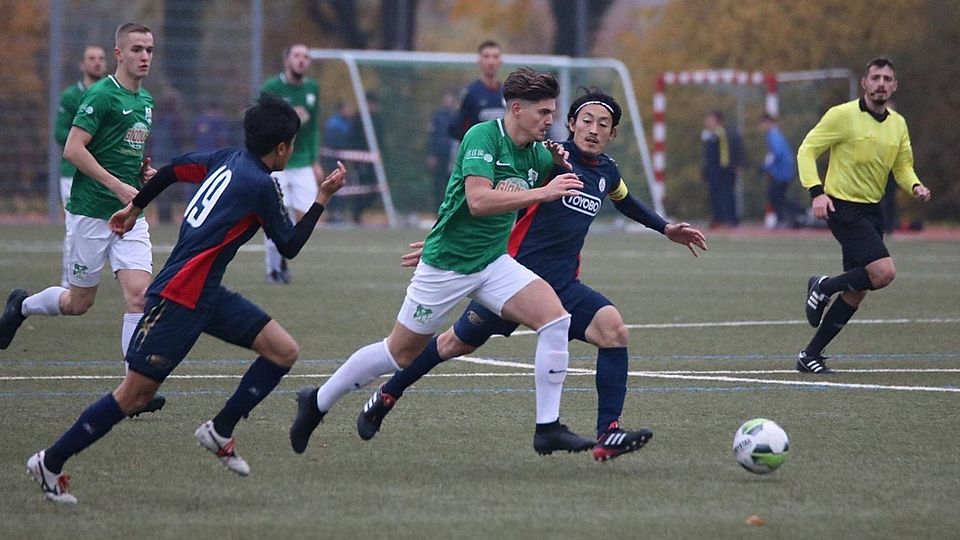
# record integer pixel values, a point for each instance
(717, 378)
(692, 375)
(733, 324)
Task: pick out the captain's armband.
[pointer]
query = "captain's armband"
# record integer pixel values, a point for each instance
(620, 192)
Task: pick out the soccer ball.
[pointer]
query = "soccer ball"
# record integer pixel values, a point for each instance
(761, 446)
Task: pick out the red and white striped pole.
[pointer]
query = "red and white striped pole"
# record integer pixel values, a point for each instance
(698, 77)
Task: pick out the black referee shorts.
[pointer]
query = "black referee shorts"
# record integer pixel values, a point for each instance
(859, 229)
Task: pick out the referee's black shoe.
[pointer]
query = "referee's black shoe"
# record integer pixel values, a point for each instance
(812, 364)
(816, 300)
(12, 316)
(556, 437)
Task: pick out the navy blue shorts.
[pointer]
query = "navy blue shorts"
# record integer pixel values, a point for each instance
(167, 330)
(478, 323)
(858, 227)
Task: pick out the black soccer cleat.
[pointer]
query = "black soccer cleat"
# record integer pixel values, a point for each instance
(558, 437)
(12, 316)
(154, 405)
(371, 417)
(812, 364)
(816, 300)
(616, 441)
(307, 419)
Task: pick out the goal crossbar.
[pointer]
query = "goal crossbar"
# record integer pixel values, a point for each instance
(561, 64)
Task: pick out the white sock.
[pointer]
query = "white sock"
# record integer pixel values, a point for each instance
(271, 257)
(550, 368)
(362, 368)
(130, 322)
(45, 302)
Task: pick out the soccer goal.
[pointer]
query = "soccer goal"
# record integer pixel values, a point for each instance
(408, 89)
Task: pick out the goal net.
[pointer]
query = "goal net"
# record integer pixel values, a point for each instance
(391, 96)
(681, 101)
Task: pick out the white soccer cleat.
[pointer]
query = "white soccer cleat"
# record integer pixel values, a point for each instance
(54, 486)
(222, 447)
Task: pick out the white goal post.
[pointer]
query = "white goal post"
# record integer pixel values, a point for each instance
(562, 65)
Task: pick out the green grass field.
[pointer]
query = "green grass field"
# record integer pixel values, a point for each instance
(873, 448)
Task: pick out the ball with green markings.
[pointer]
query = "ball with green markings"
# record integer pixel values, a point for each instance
(761, 446)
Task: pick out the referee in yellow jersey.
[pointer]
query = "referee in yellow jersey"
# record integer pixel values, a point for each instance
(867, 140)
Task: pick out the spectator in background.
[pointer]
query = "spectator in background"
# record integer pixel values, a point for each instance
(722, 157)
(483, 98)
(780, 168)
(93, 67)
(438, 146)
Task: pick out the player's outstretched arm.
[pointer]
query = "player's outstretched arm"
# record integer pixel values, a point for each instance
(332, 183)
(289, 245)
(483, 200)
(683, 233)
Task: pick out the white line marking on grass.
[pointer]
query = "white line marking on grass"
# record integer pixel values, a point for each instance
(734, 324)
(669, 375)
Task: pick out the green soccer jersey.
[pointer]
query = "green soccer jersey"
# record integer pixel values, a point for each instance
(69, 103)
(303, 95)
(465, 243)
(119, 121)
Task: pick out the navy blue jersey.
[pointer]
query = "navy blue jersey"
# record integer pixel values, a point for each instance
(548, 237)
(237, 197)
(479, 104)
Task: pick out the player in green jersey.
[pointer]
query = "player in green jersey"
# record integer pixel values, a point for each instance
(298, 182)
(106, 145)
(867, 141)
(93, 67)
(502, 166)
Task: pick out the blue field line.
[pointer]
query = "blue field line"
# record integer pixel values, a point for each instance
(435, 391)
(529, 358)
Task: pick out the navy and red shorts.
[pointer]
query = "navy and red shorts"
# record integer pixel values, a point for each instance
(167, 331)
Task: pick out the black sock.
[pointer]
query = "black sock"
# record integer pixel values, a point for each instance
(611, 381)
(854, 280)
(257, 383)
(424, 362)
(94, 422)
(833, 322)
(543, 428)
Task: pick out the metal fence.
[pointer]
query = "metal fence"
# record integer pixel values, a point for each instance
(208, 63)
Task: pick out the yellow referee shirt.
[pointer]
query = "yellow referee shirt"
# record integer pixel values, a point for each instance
(863, 151)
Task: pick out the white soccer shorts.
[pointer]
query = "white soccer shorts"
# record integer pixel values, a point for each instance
(299, 187)
(433, 292)
(94, 244)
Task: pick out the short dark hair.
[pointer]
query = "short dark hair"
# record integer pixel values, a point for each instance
(530, 85)
(487, 44)
(879, 62)
(592, 95)
(267, 123)
(716, 114)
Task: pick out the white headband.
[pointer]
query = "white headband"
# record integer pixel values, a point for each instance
(605, 106)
